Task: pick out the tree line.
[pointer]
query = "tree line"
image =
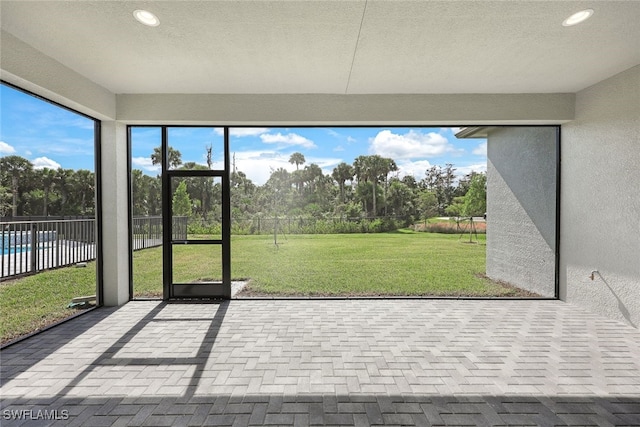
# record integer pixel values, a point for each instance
(27, 191)
(369, 187)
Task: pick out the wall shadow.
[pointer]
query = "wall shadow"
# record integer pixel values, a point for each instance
(621, 307)
(521, 176)
(10, 371)
(66, 331)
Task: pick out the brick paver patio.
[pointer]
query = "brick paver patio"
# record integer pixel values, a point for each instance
(327, 362)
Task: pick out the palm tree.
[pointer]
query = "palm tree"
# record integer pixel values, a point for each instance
(83, 185)
(341, 174)
(390, 166)
(362, 172)
(138, 193)
(363, 193)
(297, 158)
(361, 168)
(5, 195)
(279, 179)
(371, 169)
(311, 174)
(175, 157)
(298, 178)
(48, 176)
(154, 200)
(15, 167)
(377, 168)
(199, 188)
(62, 181)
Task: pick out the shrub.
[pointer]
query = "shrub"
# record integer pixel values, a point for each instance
(308, 225)
(449, 227)
(214, 228)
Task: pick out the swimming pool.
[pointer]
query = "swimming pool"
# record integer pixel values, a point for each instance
(15, 242)
(15, 249)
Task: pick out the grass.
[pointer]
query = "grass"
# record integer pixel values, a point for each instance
(412, 264)
(31, 303)
(403, 263)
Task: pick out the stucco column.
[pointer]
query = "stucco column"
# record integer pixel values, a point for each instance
(521, 207)
(115, 240)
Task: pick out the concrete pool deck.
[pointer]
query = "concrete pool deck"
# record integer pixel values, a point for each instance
(329, 362)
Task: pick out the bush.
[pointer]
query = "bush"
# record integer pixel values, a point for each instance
(449, 227)
(214, 228)
(307, 225)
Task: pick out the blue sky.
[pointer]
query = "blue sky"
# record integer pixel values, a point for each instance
(258, 151)
(45, 134)
(53, 137)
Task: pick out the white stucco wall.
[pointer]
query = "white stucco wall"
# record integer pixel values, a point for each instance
(30, 69)
(521, 207)
(323, 109)
(600, 206)
(115, 213)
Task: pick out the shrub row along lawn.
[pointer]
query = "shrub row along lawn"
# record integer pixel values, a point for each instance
(399, 263)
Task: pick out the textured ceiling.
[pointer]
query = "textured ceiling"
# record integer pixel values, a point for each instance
(339, 47)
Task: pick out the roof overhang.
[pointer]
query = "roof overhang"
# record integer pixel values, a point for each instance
(474, 132)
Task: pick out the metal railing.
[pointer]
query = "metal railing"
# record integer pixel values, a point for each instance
(146, 231)
(27, 247)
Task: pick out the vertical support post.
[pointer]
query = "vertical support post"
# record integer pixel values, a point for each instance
(149, 243)
(3, 246)
(34, 248)
(557, 231)
(114, 218)
(167, 226)
(226, 220)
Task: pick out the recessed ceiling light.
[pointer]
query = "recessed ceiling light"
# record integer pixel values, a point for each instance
(577, 18)
(147, 18)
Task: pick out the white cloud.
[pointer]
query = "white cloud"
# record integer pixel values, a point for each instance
(145, 163)
(287, 140)
(333, 133)
(417, 168)
(6, 148)
(481, 150)
(326, 163)
(257, 165)
(465, 170)
(28, 153)
(339, 148)
(45, 162)
(413, 144)
(241, 132)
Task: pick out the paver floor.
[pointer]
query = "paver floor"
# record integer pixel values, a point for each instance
(327, 362)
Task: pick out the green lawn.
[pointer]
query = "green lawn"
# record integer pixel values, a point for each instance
(30, 303)
(400, 263)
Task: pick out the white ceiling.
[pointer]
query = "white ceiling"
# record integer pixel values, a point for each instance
(337, 47)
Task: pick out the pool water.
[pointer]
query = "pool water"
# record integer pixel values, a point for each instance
(15, 249)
